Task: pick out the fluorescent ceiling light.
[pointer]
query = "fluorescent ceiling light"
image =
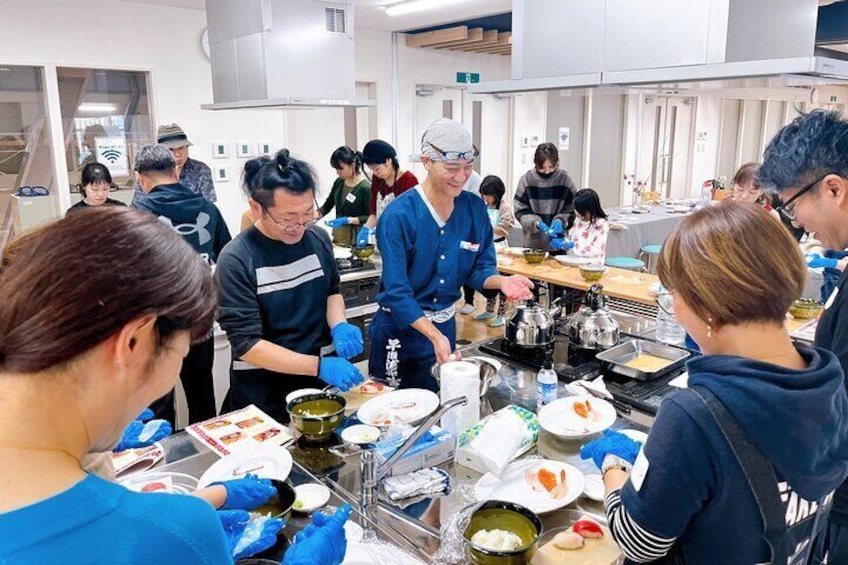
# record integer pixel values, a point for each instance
(413, 6)
(97, 108)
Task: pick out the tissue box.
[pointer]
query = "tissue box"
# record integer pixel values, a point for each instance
(467, 457)
(434, 448)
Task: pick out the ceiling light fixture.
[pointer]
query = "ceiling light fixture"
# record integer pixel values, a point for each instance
(413, 6)
(97, 108)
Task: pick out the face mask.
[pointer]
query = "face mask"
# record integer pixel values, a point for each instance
(545, 175)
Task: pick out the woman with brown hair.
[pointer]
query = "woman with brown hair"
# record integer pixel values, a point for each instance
(746, 188)
(739, 468)
(82, 352)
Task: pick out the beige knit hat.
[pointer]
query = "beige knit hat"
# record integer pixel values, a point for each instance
(172, 136)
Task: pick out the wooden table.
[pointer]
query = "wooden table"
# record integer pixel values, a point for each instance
(618, 283)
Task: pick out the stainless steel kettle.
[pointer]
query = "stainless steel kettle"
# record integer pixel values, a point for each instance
(530, 325)
(593, 327)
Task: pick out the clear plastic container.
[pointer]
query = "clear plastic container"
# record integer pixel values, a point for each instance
(669, 329)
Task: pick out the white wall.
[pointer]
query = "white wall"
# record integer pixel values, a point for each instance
(166, 42)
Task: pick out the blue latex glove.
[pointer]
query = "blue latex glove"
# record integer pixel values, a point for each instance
(338, 222)
(323, 541)
(543, 227)
(556, 229)
(235, 521)
(141, 433)
(562, 244)
(246, 493)
(362, 238)
(611, 443)
(816, 261)
(339, 372)
(347, 339)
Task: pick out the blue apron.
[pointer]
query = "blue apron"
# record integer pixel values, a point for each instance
(403, 357)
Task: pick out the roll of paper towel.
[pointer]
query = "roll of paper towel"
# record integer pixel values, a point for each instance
(460, 378)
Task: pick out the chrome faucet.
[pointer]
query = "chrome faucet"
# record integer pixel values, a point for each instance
(371, 472)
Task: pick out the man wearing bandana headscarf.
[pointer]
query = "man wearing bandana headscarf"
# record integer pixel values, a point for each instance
(433, 239)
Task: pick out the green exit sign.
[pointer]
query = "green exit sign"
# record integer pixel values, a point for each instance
(467, 77)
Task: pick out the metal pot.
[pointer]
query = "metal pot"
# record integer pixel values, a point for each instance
(593, 327)
(531, 325)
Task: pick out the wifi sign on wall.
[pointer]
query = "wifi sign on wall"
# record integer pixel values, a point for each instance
(112, 152)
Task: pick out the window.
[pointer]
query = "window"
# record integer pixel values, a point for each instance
(26, 156)
(106, 119)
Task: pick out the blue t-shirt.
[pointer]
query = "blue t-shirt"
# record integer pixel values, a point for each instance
(99, 522)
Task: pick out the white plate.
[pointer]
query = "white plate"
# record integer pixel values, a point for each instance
(163, 482)
(409, 405)
(361, 434)
(594, 487)
(656, 289)
(312, 496)
(515, 251)
(265, 461)
(512, 485)
(302, 392)
(572, 260)
(342, 252)
(560, 419)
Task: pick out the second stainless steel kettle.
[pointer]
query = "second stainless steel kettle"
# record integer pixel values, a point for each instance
(593, 327)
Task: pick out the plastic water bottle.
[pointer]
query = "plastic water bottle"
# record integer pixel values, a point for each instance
(669, 329)
(546, 384)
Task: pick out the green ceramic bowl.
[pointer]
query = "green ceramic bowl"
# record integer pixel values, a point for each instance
(806, 309)
(501, 515)
(534, 256)
(592, 273)
(317, 415)
(363, 251)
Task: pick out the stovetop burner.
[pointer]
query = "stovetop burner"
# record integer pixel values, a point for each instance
(353, 264)
(571, 364)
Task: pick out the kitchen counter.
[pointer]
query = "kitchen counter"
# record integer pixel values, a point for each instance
(367, 274)
(618, 283)
(417, 527)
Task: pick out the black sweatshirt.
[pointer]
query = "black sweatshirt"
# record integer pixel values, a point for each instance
(832, 334)
(277, 292)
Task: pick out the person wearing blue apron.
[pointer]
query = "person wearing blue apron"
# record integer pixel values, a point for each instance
(280, 300)
(740, 468)
(433, 239)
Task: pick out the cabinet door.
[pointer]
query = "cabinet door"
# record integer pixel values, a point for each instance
(655, 33)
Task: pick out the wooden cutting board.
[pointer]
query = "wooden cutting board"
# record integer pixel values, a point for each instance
(603, 551)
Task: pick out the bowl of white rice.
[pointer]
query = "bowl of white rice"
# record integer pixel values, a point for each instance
(502, 533)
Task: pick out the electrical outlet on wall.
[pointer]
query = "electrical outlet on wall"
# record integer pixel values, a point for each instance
(525, 141)
(264, 148)
(245, 149)
(220, 150)
(534, 140)
(222, 173)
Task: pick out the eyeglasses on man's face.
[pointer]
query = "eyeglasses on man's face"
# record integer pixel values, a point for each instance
(456, 155)
(787, 209)
(292, 227)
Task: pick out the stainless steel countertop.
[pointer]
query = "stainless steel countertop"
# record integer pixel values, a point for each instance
(370, 273)
(416, 528)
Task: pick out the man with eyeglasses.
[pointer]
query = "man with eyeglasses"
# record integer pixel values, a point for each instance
(280, 302)
(433, 239)
(807, 165)
(202, 226)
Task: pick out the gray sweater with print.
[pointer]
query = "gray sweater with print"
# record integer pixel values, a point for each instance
(544, 199)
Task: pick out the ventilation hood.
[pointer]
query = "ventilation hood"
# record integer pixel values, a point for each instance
(282, 53)
(592, 43)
